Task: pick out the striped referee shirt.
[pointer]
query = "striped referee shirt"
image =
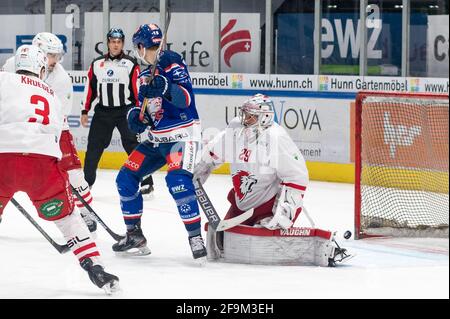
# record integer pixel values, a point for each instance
(112, 82)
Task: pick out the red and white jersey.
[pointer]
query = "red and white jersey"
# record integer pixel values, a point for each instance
(260, 162)
(59, 80)
(31, 117)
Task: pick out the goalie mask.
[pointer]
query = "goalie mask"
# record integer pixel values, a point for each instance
(257, 111)
(32, 59)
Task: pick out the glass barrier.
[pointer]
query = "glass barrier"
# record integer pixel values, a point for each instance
(19, 21)
(294, 37)
(77, 23)
(429, 45)
(384, 38)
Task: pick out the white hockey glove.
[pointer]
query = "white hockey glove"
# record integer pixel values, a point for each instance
(285, 208)
(202, 171)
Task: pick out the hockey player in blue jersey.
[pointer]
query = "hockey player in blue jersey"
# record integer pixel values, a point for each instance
(174, 135)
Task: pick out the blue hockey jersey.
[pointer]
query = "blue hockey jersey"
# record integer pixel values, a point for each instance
(173, 121)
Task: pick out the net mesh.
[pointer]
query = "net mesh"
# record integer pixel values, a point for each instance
(404, 166)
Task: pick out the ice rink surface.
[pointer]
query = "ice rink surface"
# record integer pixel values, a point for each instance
(383, 268)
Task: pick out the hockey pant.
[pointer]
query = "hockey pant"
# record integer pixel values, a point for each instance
(47, 185)
(71, 163)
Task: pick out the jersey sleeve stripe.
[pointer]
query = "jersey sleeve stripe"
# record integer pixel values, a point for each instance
(292, 185)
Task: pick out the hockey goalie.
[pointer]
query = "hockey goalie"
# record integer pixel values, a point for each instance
(269, 178)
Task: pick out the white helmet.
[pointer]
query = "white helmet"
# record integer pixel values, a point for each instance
(49, 43)
(259, 106)
(32, 59)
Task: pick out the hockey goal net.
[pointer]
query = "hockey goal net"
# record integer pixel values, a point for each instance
(401, 165)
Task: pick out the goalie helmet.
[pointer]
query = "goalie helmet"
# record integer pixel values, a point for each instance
(32, 59)
(49, 43)
(257, 111)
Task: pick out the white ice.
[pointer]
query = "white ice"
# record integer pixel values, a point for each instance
(383, 268)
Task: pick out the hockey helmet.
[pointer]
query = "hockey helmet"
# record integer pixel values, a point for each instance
(116, 33)
(32, 59)
(49, 43)
(148, 35)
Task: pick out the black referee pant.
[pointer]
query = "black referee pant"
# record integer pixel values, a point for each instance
(104, 121)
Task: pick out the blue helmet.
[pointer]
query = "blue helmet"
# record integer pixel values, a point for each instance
(148, 35)
(116, 33)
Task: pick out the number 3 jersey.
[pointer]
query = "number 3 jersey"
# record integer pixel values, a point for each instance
(31, 116)
(261, 162)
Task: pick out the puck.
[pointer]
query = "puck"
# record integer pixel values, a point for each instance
(347, 234)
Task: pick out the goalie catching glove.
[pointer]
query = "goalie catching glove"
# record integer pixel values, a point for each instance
(289, 201)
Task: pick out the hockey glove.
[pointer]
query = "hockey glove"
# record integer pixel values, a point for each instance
(158, 87)
(285, 209)
(202, 171)
(134, 123)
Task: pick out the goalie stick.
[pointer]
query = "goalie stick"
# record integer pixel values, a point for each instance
(97, 218)
(62, 249)
(153, 67)
(213, 217)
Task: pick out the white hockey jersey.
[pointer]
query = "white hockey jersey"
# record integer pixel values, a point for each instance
(59, 80)
(259, 164)
(31, 117)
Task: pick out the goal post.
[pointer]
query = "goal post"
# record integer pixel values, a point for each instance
(401, 165)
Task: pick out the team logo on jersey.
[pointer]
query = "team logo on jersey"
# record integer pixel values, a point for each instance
(234, 42)
(179, 74)
(110, 72)
(243, 184)
(52, 208)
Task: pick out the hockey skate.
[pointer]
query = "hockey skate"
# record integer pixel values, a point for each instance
(134, 244)
(90, 222)
(340, 255)
(108, 282)
(198, 248)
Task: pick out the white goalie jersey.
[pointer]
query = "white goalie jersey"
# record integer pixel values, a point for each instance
(260, 162)
(31, 118)
(60, 81)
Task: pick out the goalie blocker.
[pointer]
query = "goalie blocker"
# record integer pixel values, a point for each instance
(291, 247)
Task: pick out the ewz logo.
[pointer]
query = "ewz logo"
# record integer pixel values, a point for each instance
(234, 42)
(28, 39)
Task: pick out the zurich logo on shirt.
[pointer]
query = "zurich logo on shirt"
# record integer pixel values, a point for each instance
(110, 73)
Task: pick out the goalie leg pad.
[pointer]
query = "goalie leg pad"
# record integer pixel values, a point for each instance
(259, 213)
(296, 246)
(182, 189)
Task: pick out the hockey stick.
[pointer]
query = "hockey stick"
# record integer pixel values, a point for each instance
(62, 249)
(213, 218)
(153, 67)
(97, 218)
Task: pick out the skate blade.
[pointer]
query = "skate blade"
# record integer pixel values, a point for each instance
(150, 196)
(141, 251)
(112, 288)
(345, 258)
(201, 261)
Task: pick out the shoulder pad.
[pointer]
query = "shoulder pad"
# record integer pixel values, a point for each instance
(169, 57)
